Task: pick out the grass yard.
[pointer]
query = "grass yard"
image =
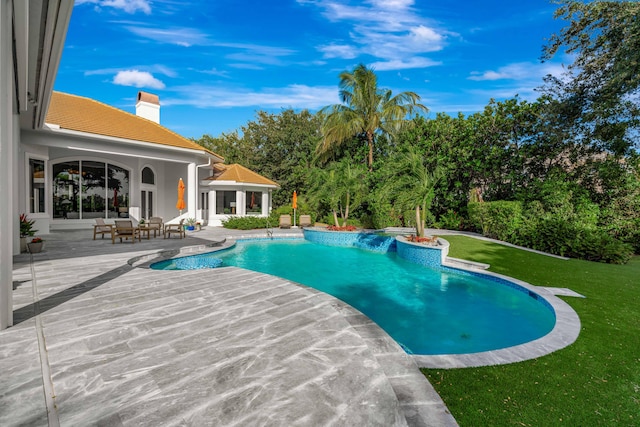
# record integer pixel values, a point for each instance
(593, 382)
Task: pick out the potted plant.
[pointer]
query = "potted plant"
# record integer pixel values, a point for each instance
(36, 245)
(198, 226)
(190, 224)
(26, 230)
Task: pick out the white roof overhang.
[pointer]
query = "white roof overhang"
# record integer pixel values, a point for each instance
(40, 28)
(84, 141)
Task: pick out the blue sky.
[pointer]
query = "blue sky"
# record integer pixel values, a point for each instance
(214, 63)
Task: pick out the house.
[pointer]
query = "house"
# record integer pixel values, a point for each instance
(91, 160)
(66, 160)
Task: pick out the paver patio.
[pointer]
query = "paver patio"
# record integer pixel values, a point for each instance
(99, 340)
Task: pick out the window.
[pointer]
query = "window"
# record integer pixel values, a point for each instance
(36, 186)
(84, 189)
(225, 202)
(119, 186)
(148, 177)
(66, 188)
(253, 205)
(93, 188)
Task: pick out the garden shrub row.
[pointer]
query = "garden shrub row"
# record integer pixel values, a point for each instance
(561, 232)
(254, 222)
(246, 223)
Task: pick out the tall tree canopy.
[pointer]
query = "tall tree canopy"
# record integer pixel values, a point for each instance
(367, 111)
(278, 146)
(601, 97)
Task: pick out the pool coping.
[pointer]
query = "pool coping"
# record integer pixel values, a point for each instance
(564, 333)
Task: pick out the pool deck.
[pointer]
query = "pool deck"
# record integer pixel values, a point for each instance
(99, 340)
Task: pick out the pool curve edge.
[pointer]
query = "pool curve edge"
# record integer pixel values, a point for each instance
(564, 333)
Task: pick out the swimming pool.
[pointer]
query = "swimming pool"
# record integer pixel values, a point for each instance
(428, 311)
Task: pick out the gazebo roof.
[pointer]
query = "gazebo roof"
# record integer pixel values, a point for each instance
(239, 173)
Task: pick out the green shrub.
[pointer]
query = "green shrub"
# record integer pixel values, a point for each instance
(597, 245)
(450, 221)
(274, 217)
(245, 223)
(498, 220)
(383, 214)
(328, 219)
(621, 219)
(367, 221)
(565, 230)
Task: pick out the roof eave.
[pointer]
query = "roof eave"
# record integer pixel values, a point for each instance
(142, 144)
(38, 65)
(225, 183)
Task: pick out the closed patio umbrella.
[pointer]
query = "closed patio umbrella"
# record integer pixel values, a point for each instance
(294, 205)
(180, 205)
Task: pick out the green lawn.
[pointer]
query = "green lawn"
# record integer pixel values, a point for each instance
(593, 382)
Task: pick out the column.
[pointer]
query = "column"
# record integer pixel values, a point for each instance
(240, 203)
(212, 206)
(192, 190)
(265, 203)
(9, 237)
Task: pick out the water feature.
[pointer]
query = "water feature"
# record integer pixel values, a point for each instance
(376, 242)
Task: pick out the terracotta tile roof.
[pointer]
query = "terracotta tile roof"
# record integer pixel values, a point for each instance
(238, 173)
(82, 114)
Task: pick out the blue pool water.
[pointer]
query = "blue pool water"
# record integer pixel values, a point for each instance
(428, 311)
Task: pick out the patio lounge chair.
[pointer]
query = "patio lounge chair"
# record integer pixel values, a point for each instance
(101, 228)
(155, 223)
(178, 229)
(285, 221)
(305, 220)
(125, 230)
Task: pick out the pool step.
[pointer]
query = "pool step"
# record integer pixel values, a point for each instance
(463, 263)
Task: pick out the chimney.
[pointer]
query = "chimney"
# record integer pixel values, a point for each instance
(148, 106)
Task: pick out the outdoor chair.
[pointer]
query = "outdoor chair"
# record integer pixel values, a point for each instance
(101, 228)
(125, 230)
(178, 229)
(155, 223)
(285, 221)
(305, 220)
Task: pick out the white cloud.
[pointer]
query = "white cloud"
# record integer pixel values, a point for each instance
(179, 36)
(390, 30)
(392, 4)
(521, 78)
(292, 96)
(214, 72)
(518, 71)
(343, 51)
(399, 64)
(129, 6)
(138, 79)
(155, 69)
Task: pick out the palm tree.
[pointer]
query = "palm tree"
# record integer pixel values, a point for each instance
(367, 111)
(341, 185)
(413, 186)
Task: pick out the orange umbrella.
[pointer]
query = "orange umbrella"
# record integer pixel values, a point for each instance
(180, 205)
(294, 205)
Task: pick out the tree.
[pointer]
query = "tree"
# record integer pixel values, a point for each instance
(278, 146)
(413, 185)
(604, 81)
(341, 185)
(367, 111)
